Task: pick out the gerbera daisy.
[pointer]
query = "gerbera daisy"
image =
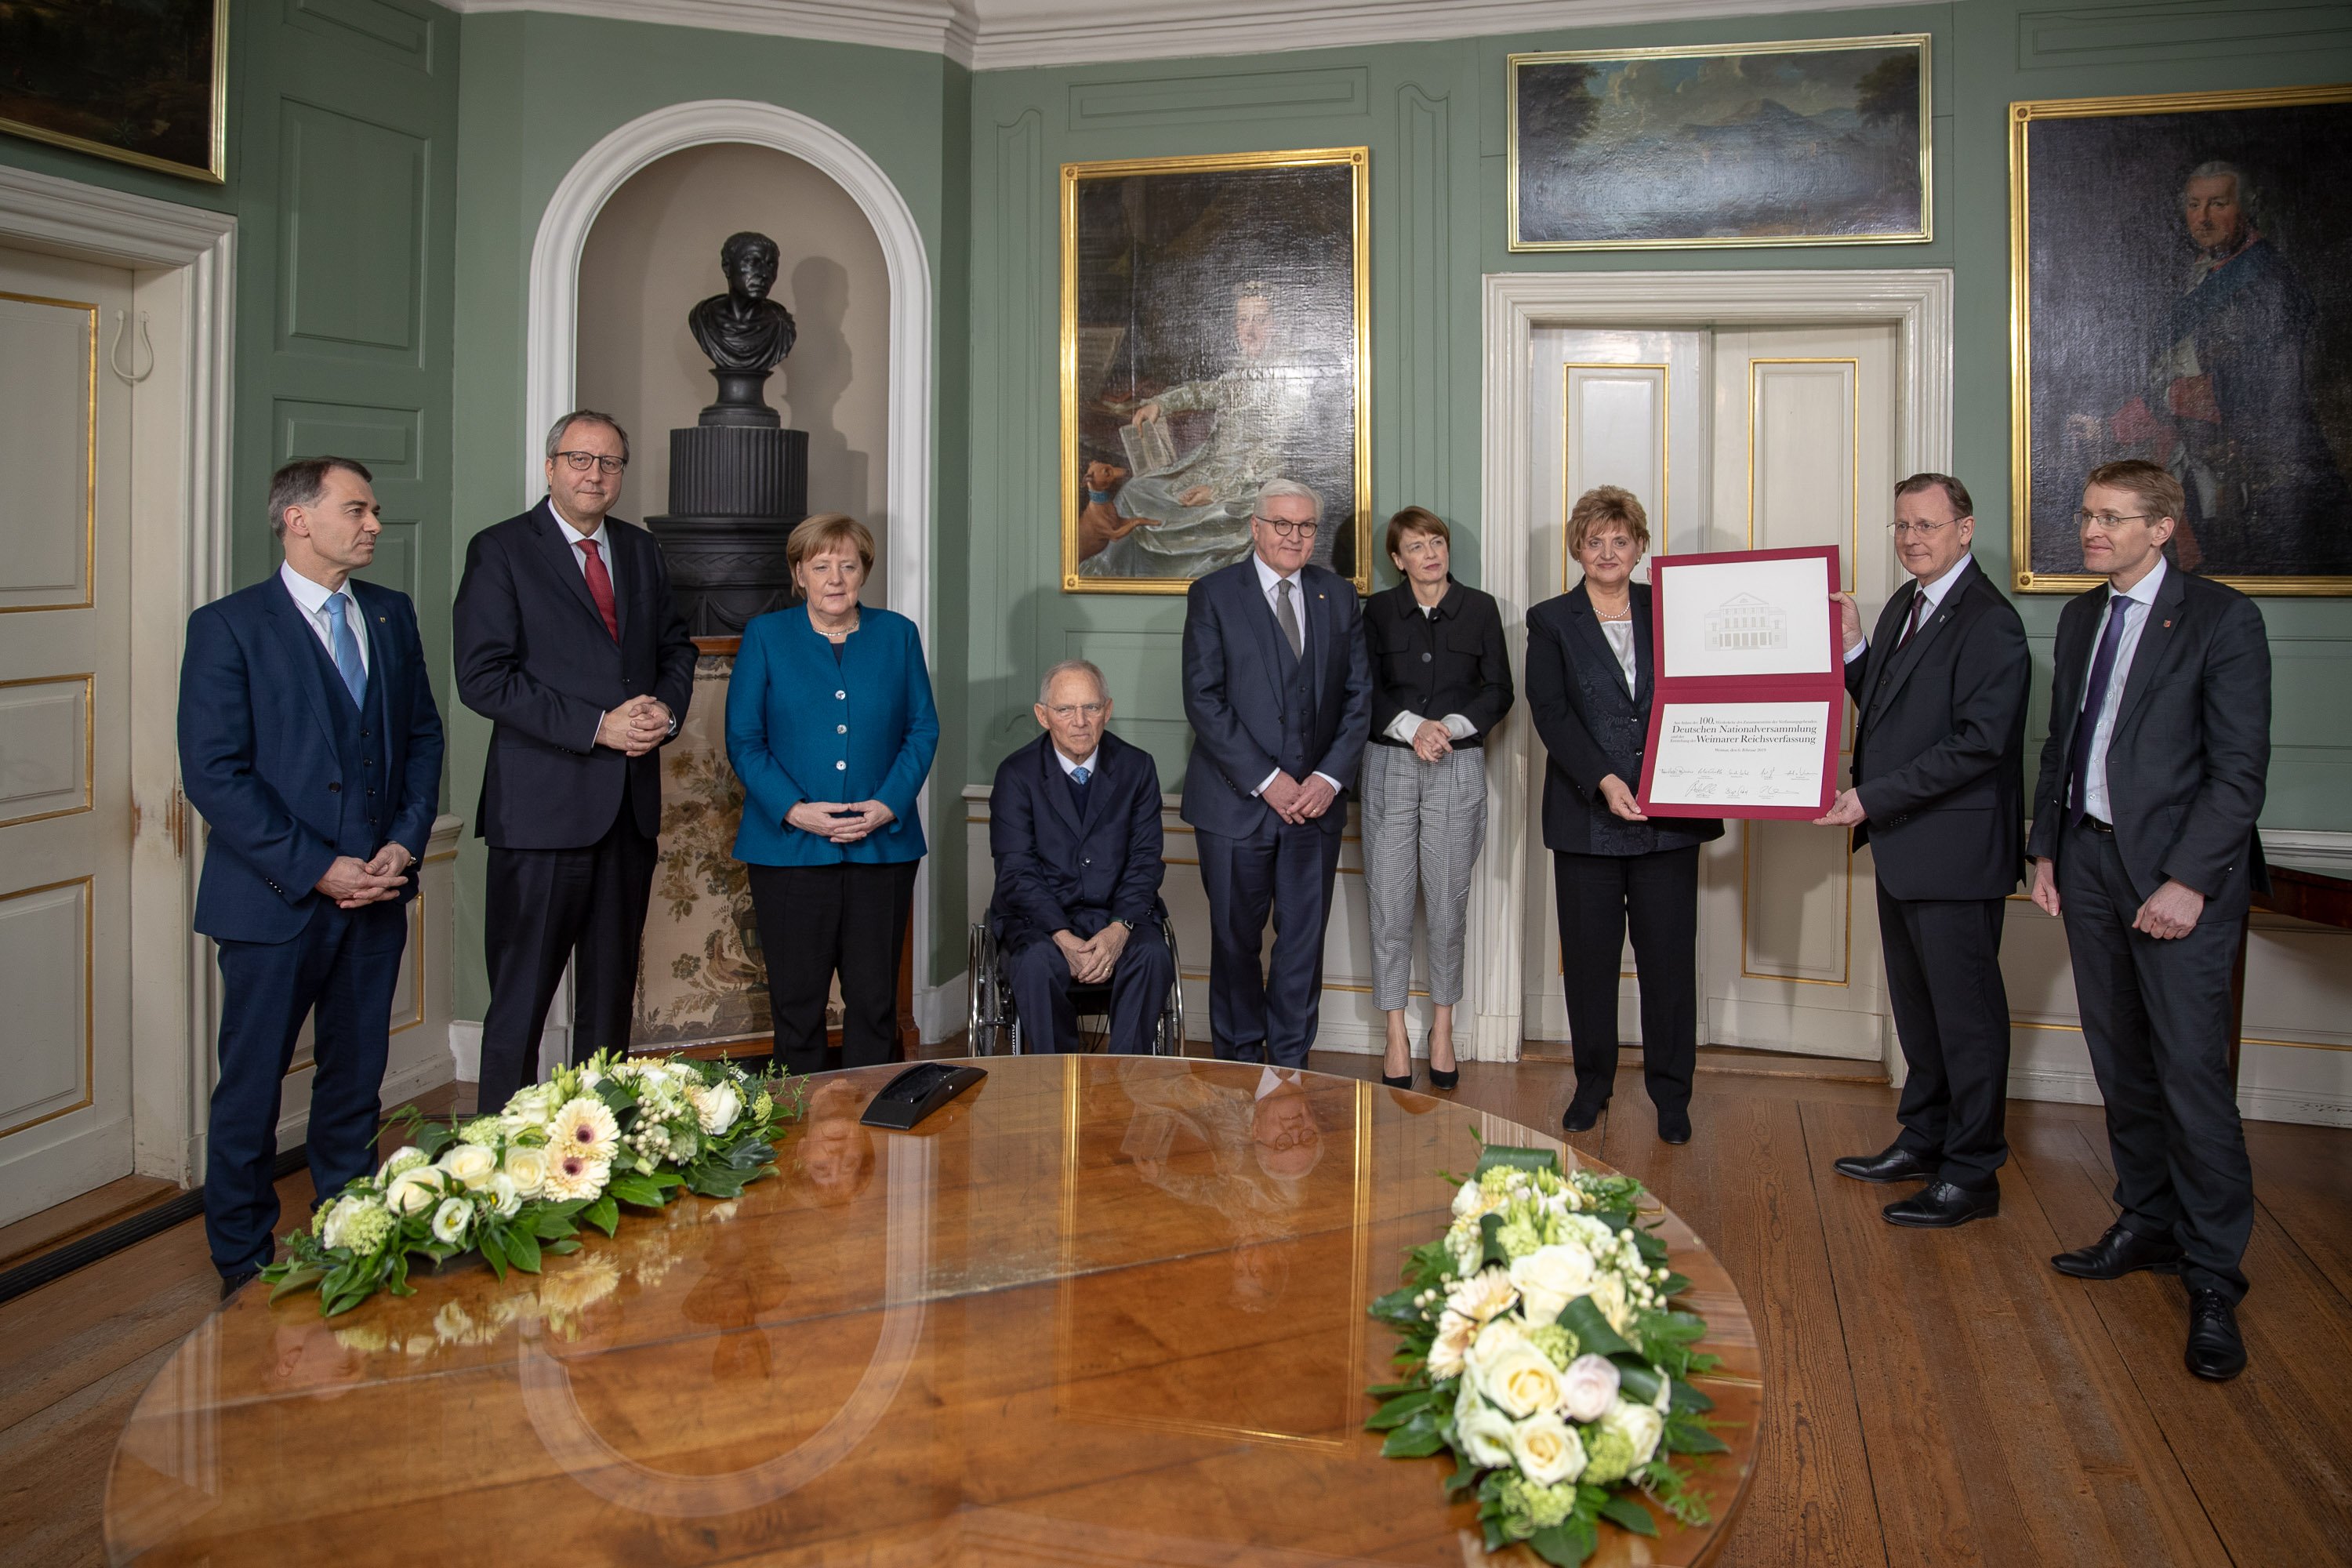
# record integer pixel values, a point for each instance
(583, 1126)
(571, 1174)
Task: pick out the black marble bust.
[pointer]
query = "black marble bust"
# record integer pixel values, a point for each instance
(745, 333)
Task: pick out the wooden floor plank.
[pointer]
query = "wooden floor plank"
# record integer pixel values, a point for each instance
(2293, 1406)
(2303, 1178)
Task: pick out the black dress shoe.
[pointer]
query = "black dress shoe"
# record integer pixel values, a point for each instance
(2215, 1351)
(1939, 1205)
(2116, 1253)
(1896, 1164)
(1404, 1082)
(1445, 1079)
(1582, 1115)
(232, 1283)
(1674, 1125)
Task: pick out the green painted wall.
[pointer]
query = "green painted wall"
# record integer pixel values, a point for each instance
(1433, 116)
(343, 124)
(539, 91)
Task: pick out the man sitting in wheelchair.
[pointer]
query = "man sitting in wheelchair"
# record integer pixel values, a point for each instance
(1074, 824)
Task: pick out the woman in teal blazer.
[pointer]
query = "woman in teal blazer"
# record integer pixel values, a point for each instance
(830, 728)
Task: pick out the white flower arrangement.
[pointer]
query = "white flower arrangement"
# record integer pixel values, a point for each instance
(559, 1157)
(1539, 1346)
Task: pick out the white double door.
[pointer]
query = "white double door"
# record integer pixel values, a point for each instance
(1746, 439)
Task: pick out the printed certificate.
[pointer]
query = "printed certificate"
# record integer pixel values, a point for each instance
(1728, 755)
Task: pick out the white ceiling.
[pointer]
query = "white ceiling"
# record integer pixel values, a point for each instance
(991, 35)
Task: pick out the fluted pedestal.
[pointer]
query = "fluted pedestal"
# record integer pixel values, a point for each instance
(736, 490)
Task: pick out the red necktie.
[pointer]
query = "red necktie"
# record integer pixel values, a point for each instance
(600, 588)
(1918, 603)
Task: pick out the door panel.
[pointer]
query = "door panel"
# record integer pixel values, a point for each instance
(65, 796)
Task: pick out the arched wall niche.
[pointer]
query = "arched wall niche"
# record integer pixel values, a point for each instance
(654, 250)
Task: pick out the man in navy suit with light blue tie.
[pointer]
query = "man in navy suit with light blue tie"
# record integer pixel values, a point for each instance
(1074, 824)
(1278, 687)
(310, 745)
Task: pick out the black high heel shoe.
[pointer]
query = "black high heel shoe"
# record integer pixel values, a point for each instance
(1404, 1082)
(1447, 1078)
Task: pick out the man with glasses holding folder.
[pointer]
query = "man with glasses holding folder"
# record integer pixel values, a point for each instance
(568, 641)
(2144, 844)
(1278, 687)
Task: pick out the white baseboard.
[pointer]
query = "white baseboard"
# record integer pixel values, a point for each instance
(940, 1010)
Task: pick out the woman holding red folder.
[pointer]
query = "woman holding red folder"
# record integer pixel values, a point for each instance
(1589, 685)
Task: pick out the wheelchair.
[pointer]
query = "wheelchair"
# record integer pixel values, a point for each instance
(995, 1028)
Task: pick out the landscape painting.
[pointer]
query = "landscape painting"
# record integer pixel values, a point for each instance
(1820, 143)
(142, 82)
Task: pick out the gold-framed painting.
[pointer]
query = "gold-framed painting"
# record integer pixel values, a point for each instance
(2178, 293)
(140, 81)
(1215, 328)
(1813, 141)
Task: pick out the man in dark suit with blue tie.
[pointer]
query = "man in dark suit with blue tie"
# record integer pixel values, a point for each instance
(310, 745)
(568, 640)
(1278, 687)
(2144, 844)
(1074, 823)
(1939, 795)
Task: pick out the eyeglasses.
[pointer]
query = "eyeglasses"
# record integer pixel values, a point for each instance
(1071, 710)
(582, 461)
(1919, 530)
(2109, 519)
(1287, 530)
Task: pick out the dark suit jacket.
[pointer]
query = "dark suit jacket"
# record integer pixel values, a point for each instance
(1057, 870)
(258, 757)
(1939, 743)
(2191, 745)
(1451, 662)
(534, 658)
(1593, 726)
(1233, 696)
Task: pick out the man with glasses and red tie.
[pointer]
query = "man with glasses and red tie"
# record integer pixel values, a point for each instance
(568, 641)
(1278, 687)
(2144, 844)
(1938, 795)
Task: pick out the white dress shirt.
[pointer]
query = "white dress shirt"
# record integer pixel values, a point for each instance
(2138, 602)
(604, 545)
(311, 599)
(1932, 592)
(1069, 768)
(1406, 725)
(1267, 579)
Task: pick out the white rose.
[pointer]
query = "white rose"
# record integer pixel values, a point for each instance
(336, 1231)
(1547, 1450)
(1608, 1295)
(532, 1107)
(1484, 1432)
(1549, 1278)
(1588, 1387)
(413, 1190)
(1492, 1340)
(1642, 1426)
(527, 1163)
(506, 1198)
(1471, 1201)
(1522, 1381)
(407, 1157)
(1449, 1351)
(472, 1165)
(451, 1220)
(717, 1107)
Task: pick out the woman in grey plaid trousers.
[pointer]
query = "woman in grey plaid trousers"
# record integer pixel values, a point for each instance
(1441, 681)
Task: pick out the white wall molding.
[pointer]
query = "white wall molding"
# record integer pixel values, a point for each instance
(552, 358)
(1917, 301)
(184, 261)
(997, 34)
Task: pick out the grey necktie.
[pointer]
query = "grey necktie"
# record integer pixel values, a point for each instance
(1288, 613)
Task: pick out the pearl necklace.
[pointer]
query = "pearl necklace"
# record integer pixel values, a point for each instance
(840, 635)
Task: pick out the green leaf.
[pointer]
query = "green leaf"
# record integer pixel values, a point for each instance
(603, 1214)
(1398, 1411)
(1639, 1381)
(636, 1191)
(1494, 1155)
(1397, 1306)
(522, 1250)
(1626, 1511)
(1389, 1389)
(1693, 1438)
(492, 1253)
(297, 1278)
(666, 1179)
(617, 1097)
(1416, 1439)
(1687, 1400)
(549, 1226)
(1566, 1543)
(434, 1138)
(569, 1245)
(1462, 1480)
(1490, 1239)
(1593, 1333)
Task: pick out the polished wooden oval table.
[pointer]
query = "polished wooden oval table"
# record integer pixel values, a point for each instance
(1098, 1311)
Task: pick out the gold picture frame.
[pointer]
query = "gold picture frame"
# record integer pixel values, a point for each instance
(1311, 357)
(1793, 150)
(2147, 146)
(214, 170)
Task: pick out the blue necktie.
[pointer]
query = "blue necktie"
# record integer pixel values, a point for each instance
(2087, 723)
(1078, 781)
(1080, 776)
(346, 648)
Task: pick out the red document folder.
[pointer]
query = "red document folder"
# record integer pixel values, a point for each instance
(1783, 699)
